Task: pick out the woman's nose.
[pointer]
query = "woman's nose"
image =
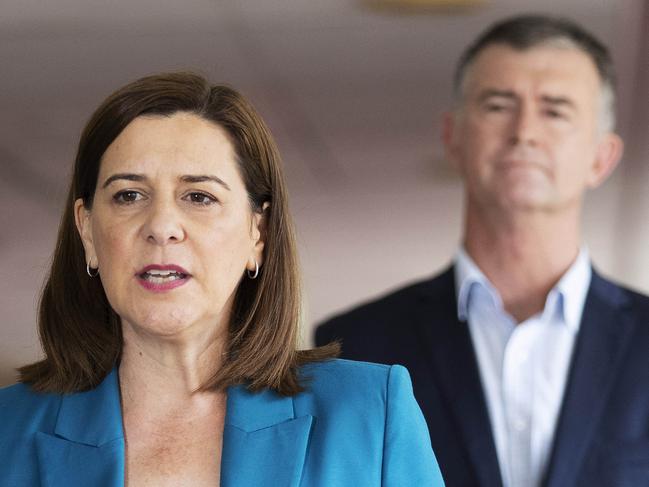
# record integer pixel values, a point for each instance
(163, 224)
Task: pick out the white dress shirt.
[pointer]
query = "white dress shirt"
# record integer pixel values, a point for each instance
(523, 367)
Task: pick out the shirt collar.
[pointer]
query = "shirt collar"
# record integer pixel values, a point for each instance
(573, 287)
(468, 275)
(569, 293)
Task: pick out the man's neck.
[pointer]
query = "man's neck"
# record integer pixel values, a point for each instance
(523, 256)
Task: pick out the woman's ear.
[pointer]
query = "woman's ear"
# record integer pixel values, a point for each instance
(84, 227)
(259, 224)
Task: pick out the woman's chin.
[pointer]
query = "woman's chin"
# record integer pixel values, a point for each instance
(164, 323)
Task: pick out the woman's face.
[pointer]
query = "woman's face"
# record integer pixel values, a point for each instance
(171, 228)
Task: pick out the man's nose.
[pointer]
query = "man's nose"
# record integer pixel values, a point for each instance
(163, 224)
(525, 126)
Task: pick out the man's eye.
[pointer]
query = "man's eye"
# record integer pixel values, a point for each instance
(554, 114)
(126, 197)
(493, 107)
(201, 198)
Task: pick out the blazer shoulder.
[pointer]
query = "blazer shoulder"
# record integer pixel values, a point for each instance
(344, 373)
(377, 318)
(20, 396)
(23, 410)
(385, 308)
(23, 395)
(343, 391)
(351, 379)
(619, 295)
(368, 411)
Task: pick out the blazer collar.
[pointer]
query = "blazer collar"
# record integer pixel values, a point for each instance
(453, 363)
(93, 417)
(249, 411)
(263, 439)
(87, 447)
(606, 329)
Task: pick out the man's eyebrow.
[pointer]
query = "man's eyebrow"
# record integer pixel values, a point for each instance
(494, 93)
(548, 99)
(201, 178)
(558, 100)
(125, 176)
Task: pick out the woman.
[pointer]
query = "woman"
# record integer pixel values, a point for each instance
(169, 322)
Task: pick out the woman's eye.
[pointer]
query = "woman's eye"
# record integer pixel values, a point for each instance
(126, 197)
(201, 198)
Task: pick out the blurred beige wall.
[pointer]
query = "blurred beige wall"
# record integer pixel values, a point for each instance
(354, 98)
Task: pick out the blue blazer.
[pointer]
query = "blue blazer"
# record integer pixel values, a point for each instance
(357, 424)
(602, 435)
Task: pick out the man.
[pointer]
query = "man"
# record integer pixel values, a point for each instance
(530, 368)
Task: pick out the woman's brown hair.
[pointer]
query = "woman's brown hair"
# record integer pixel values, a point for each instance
(81, 334)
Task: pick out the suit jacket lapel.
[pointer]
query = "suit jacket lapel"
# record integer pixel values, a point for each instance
(263, 443)
(87, 447)
(604, 334)
(448, 344)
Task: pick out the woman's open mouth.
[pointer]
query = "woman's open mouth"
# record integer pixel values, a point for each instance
(160, 278)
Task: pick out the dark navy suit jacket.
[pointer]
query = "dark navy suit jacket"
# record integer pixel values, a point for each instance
(602, 436)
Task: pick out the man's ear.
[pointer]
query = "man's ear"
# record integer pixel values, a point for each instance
(259, 223)
(84, 227)
(607, 156)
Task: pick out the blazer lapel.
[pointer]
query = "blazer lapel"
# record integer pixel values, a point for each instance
(448, 344)
(263, 442)
(87, 447)
(605, 330)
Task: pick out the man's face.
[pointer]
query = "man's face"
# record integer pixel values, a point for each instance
(528, 135)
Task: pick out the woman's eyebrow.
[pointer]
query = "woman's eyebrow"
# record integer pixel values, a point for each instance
(125, 176)
(200, 178)
(188, 178)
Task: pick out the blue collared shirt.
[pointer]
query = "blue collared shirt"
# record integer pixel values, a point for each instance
(523, 367)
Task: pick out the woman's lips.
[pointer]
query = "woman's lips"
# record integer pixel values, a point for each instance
(161, 278)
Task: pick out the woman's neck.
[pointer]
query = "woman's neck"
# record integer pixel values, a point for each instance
(173, 431)
(163, 371)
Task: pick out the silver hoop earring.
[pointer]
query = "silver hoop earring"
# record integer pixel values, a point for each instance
(253, 275)
(89, 270)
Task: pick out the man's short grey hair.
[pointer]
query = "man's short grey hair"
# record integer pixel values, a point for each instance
(528, 31)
